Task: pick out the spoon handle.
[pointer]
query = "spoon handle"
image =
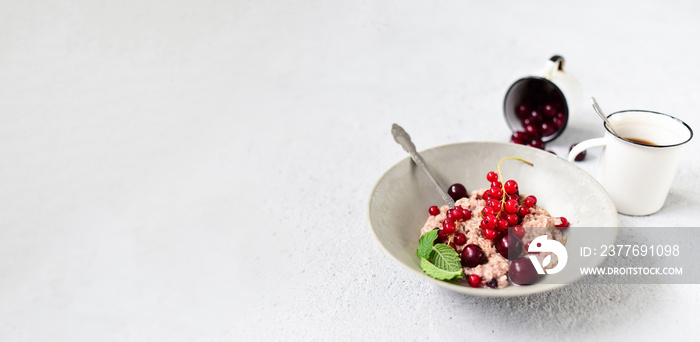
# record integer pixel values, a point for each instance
(404, 140)
(599, 110)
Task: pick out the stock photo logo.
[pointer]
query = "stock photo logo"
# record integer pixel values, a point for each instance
(542, 244)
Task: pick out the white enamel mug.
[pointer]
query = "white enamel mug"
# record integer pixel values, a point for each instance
(550, 84)
(638, 176)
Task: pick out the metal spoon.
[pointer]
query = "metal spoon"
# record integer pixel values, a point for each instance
(597, 109)
(404, 140)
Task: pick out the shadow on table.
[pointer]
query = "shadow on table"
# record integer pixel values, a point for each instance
(567, 312)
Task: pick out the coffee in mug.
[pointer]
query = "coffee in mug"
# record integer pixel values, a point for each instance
(637, 167)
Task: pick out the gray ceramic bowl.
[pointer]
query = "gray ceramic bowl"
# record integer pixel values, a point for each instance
(398, 206)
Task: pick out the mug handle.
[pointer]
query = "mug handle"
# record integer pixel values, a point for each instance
(584, 145)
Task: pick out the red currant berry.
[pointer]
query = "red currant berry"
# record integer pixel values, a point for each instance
(489, 221)
(454, 215)
(474, 280)
(564, 223)
(442, 236)
(519, 231)
(496, 193)
(502, 215)
(501, 225)
(496, 184)
(511, 206)
(491, 176)
(530, 201)
(460, 239)
(495, 204)
(523, 210)
(514, 197)
(449, 227)
(486, 195)
(487, 211)
(527, 248)
(512, 219)
(449, 216)
(490, 233)
(434, 210)
(511, 187)
(453, 246)
(466, 214)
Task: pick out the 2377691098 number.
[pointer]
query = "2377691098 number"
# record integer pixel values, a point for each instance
(640, 250)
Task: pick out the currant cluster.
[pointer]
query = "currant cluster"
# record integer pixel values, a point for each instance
(503, 208)
(448, 234)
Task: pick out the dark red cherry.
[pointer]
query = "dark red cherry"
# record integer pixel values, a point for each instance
(579, 157)
(549, 110)
(547, 128)
(472, 256)
(559, 120)
(536, 143)
(522, 111)
(509, 245)
(522, 272)
(533, 130)
(520, 135)
(535, 116)
(457, 191)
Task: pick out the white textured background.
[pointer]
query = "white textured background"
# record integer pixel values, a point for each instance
(200, 170)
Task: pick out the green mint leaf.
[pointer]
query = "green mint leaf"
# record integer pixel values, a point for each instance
(438, 273)
(425, 244)
(446, 258)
